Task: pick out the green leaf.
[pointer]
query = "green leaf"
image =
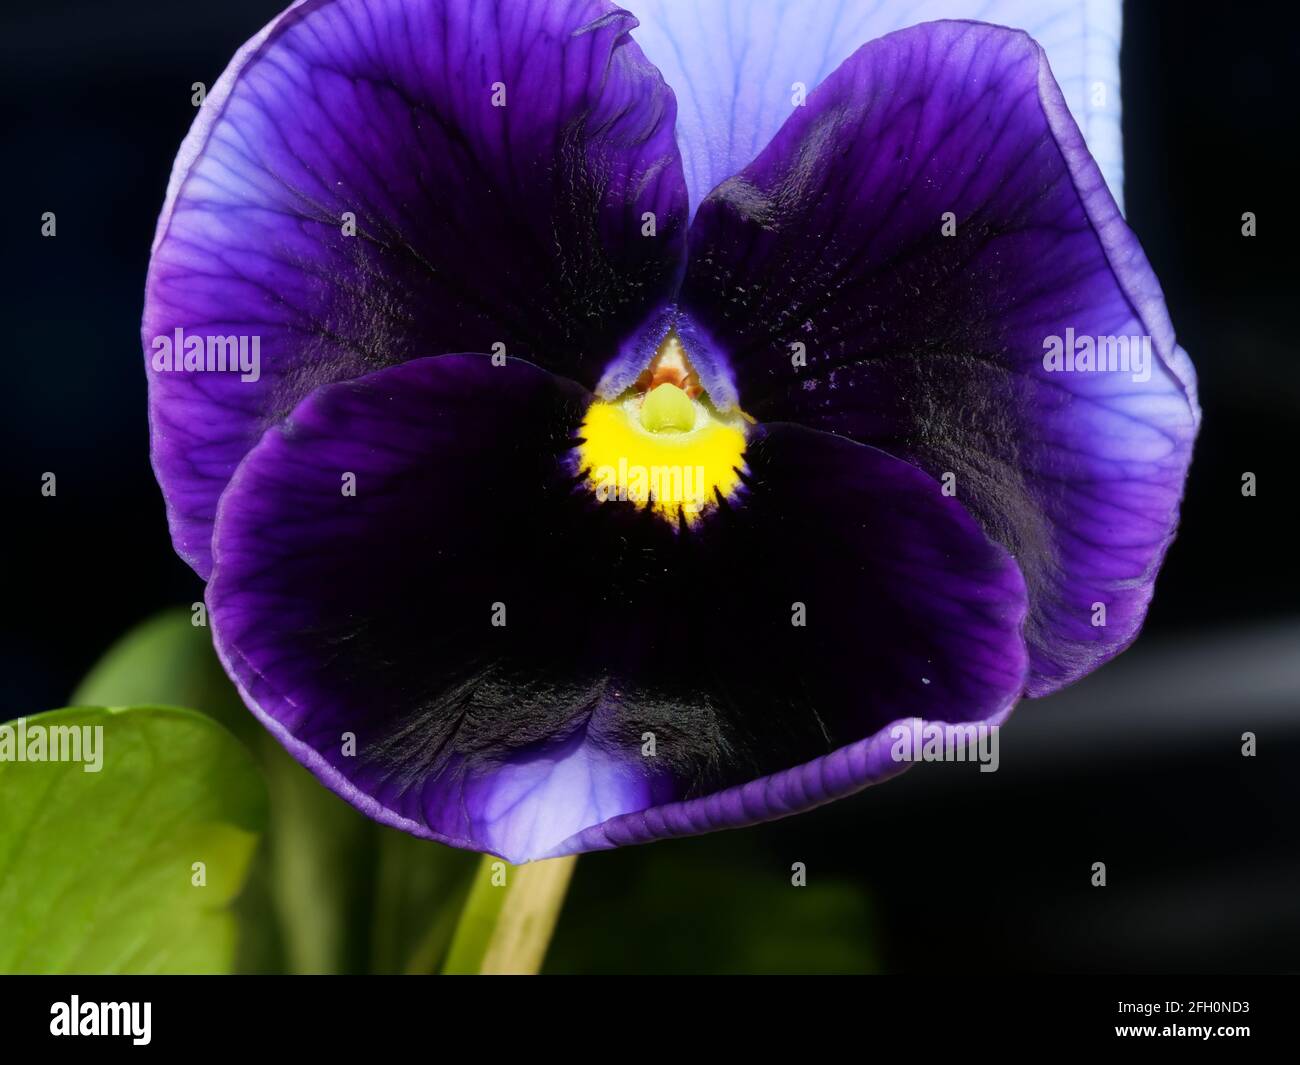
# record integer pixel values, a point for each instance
(167, 661)
(509, 917)
(98, 869)
(307, 889)
(331, 891)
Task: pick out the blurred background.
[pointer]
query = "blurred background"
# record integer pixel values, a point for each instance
(1138, 766)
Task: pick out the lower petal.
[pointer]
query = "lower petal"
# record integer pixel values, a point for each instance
(467, 643)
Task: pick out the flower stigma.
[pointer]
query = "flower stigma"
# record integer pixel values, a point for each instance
(662, 444)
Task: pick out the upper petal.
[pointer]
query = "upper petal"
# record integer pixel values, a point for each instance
(517, 663)
(734, 65)
(926, 228)
(376, 181)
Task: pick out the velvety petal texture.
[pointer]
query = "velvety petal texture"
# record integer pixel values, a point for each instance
(524, 669)
(896, 266)
(371, 182)
(736, 65)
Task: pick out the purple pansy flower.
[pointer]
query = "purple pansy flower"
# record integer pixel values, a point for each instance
(603, 461)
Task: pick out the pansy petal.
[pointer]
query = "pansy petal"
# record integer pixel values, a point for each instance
(851, 591)
(516, 662)
(736, 65)
(919, 234)
(372, 599)
(371, 182)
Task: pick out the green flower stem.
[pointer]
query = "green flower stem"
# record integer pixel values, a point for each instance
(509, 917)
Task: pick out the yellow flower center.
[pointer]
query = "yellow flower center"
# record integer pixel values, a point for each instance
(662, 444)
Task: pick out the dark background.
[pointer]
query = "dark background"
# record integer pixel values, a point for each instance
(1138, 766)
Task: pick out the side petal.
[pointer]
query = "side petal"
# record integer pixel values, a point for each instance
(515, 662)
(921, 234)
(371, 182)
(735, 65)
